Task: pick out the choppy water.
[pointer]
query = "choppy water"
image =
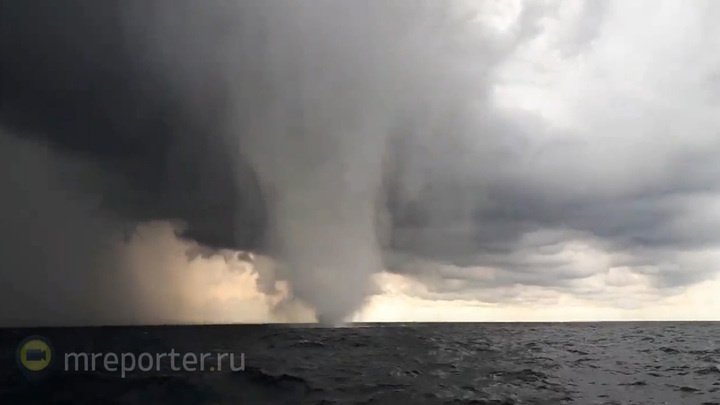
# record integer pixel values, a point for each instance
(442, 363)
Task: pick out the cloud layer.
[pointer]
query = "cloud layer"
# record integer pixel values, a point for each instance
(494, 154)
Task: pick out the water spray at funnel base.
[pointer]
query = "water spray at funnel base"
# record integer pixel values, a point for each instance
(323, 225)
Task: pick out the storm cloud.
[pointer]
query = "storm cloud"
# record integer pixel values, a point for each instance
(472, 148)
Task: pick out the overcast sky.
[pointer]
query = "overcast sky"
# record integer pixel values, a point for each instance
(407, 161)
(600, 199)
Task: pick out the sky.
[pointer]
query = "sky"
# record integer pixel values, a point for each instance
(186, 162)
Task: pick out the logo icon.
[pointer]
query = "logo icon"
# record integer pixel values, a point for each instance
(34, 354)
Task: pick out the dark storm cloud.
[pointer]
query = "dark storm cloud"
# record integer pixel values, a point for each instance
(191, 111)
(74, 74)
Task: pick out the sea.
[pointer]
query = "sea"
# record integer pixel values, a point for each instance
(388, 363)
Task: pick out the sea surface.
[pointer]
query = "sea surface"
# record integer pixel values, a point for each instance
(431, 363)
